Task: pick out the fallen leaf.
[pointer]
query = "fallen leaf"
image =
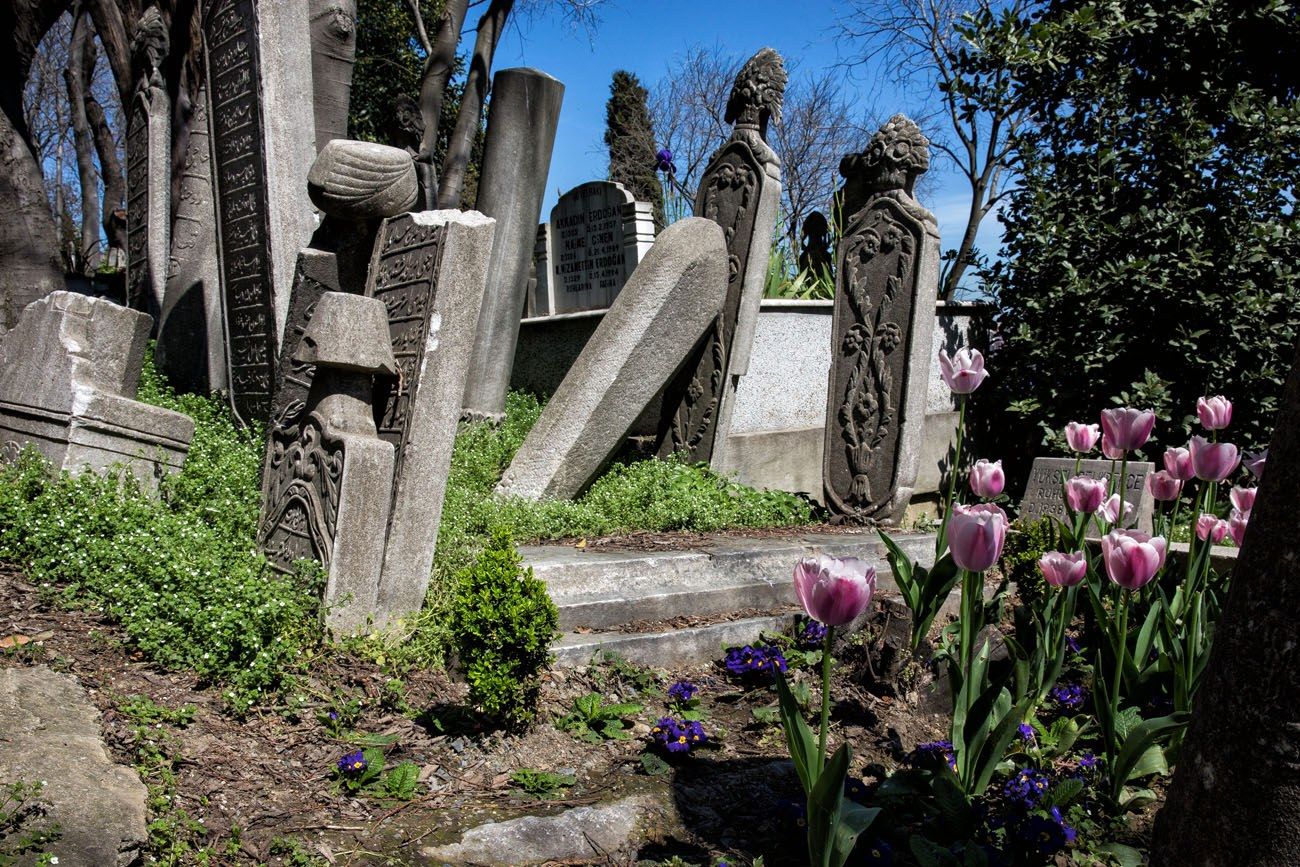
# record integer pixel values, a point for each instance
(582, 543)
(15, 640)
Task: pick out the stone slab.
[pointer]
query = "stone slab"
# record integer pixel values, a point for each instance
(1042, 495)
(50, 733)
(641, 343)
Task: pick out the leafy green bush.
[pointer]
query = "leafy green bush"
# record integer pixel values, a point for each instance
(1026, 543)
(181, 572)
(503, 622)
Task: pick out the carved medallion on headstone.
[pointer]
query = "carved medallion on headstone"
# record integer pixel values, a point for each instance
(243, 233)
(148, 168)
(886, 281)
(739, 192)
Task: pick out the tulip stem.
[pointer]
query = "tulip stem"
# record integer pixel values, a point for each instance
(824, 730)
(941, 541)
(1123, 487)
(1121, 652)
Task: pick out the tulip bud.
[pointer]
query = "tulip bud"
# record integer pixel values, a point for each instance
(1243, 499)
(1215, 412)
(1110, 510)
(1213, 462)
(1127, 428)
(1237, 526)
(964, 371)
(1063, 570)
(1163, 486)
(1085, 494)
(976, 534)
(833, 590)
(1082, 437)
(1178, 463)
(987, 479)
(1109, 451)
(1211, 527)
(1255, 463)
(1132, 558)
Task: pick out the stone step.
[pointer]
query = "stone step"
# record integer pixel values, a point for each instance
(604, 589)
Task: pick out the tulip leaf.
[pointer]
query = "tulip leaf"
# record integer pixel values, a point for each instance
(798, 736)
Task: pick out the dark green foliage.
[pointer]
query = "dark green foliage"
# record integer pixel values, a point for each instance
(1152, 247)
(180, 573)
(630, 138)
(503, 624)
(1026, 543)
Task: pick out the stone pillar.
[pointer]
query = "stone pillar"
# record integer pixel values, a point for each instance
(740, 191)
(886, 283)
(429, 270)
(327, 479)
(333, 54)
(148, 170)
(521, 126)
(644, 339)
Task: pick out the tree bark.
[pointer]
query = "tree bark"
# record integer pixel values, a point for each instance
(1235, 796)
(29, 247)
(110, 170)
(80, 70)
(490, 27)
(111, 19)
(333, 55)
(438, 70)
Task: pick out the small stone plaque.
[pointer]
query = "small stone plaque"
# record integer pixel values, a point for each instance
(1043, 494)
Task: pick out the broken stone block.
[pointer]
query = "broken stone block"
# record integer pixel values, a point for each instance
(68, 376)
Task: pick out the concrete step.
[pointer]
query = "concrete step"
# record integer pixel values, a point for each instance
(607, 588)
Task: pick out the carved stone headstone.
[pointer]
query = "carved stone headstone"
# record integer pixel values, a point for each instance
(645, 338)
(521, 125)
(1043, 490)
(148, 169)
(317, 272)
(740, 191)
(327, 480)
(886, 282)
(191, 340)
(259, 82)
(429, 270)
(596, 236)
(68, 376)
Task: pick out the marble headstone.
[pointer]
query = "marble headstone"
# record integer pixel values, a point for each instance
(741, 192)
(1043, 495)
(886, 283)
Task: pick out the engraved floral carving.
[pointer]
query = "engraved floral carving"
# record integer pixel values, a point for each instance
(303, 470)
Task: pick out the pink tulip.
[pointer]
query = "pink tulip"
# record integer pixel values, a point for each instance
(832, 590)
(1211, 527)
(1163, 486)
(1255, 463)
(1085, 494)
(1110, 510)
(1243, 499)
(1213, 462)
(987, 479)
(1178, 463)
(1237, 526)
(976, 534)
(1215, 412)
(1063, 570)
(1132, 558)
(964, 371)
(1109, 451)
(1127, 428)
(1082, 437)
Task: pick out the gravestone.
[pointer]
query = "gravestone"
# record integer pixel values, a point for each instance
(640, 344)
(886, 283)
(327, 479)
(259, 82)
(148, 169)
(740, 191)
(68, 376)
(522, 119)
(316, 273)
(191, 338)
(1043, 494)
(429, 270)
(596, 236)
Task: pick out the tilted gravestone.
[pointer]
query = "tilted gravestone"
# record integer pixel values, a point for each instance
(259, 77)
(740, 191)
(521, 125)
(68, 376)
(644, 339)
(886, 282)
(1043, 492)
(429, 270)
(596, 236)
(148, 169)
(327, 479)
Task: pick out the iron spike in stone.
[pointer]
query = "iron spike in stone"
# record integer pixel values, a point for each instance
(657, 320)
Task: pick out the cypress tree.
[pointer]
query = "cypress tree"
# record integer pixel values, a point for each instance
(631, 142)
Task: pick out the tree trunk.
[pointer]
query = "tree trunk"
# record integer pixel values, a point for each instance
(1235, 796)
(110, 170)
(81, 69)
(490, 27)
(111, 19)
(29, 241)
(961, 262)
(433, 88)
(333, 54)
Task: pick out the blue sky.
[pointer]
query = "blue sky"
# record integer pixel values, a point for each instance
(645, 38)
